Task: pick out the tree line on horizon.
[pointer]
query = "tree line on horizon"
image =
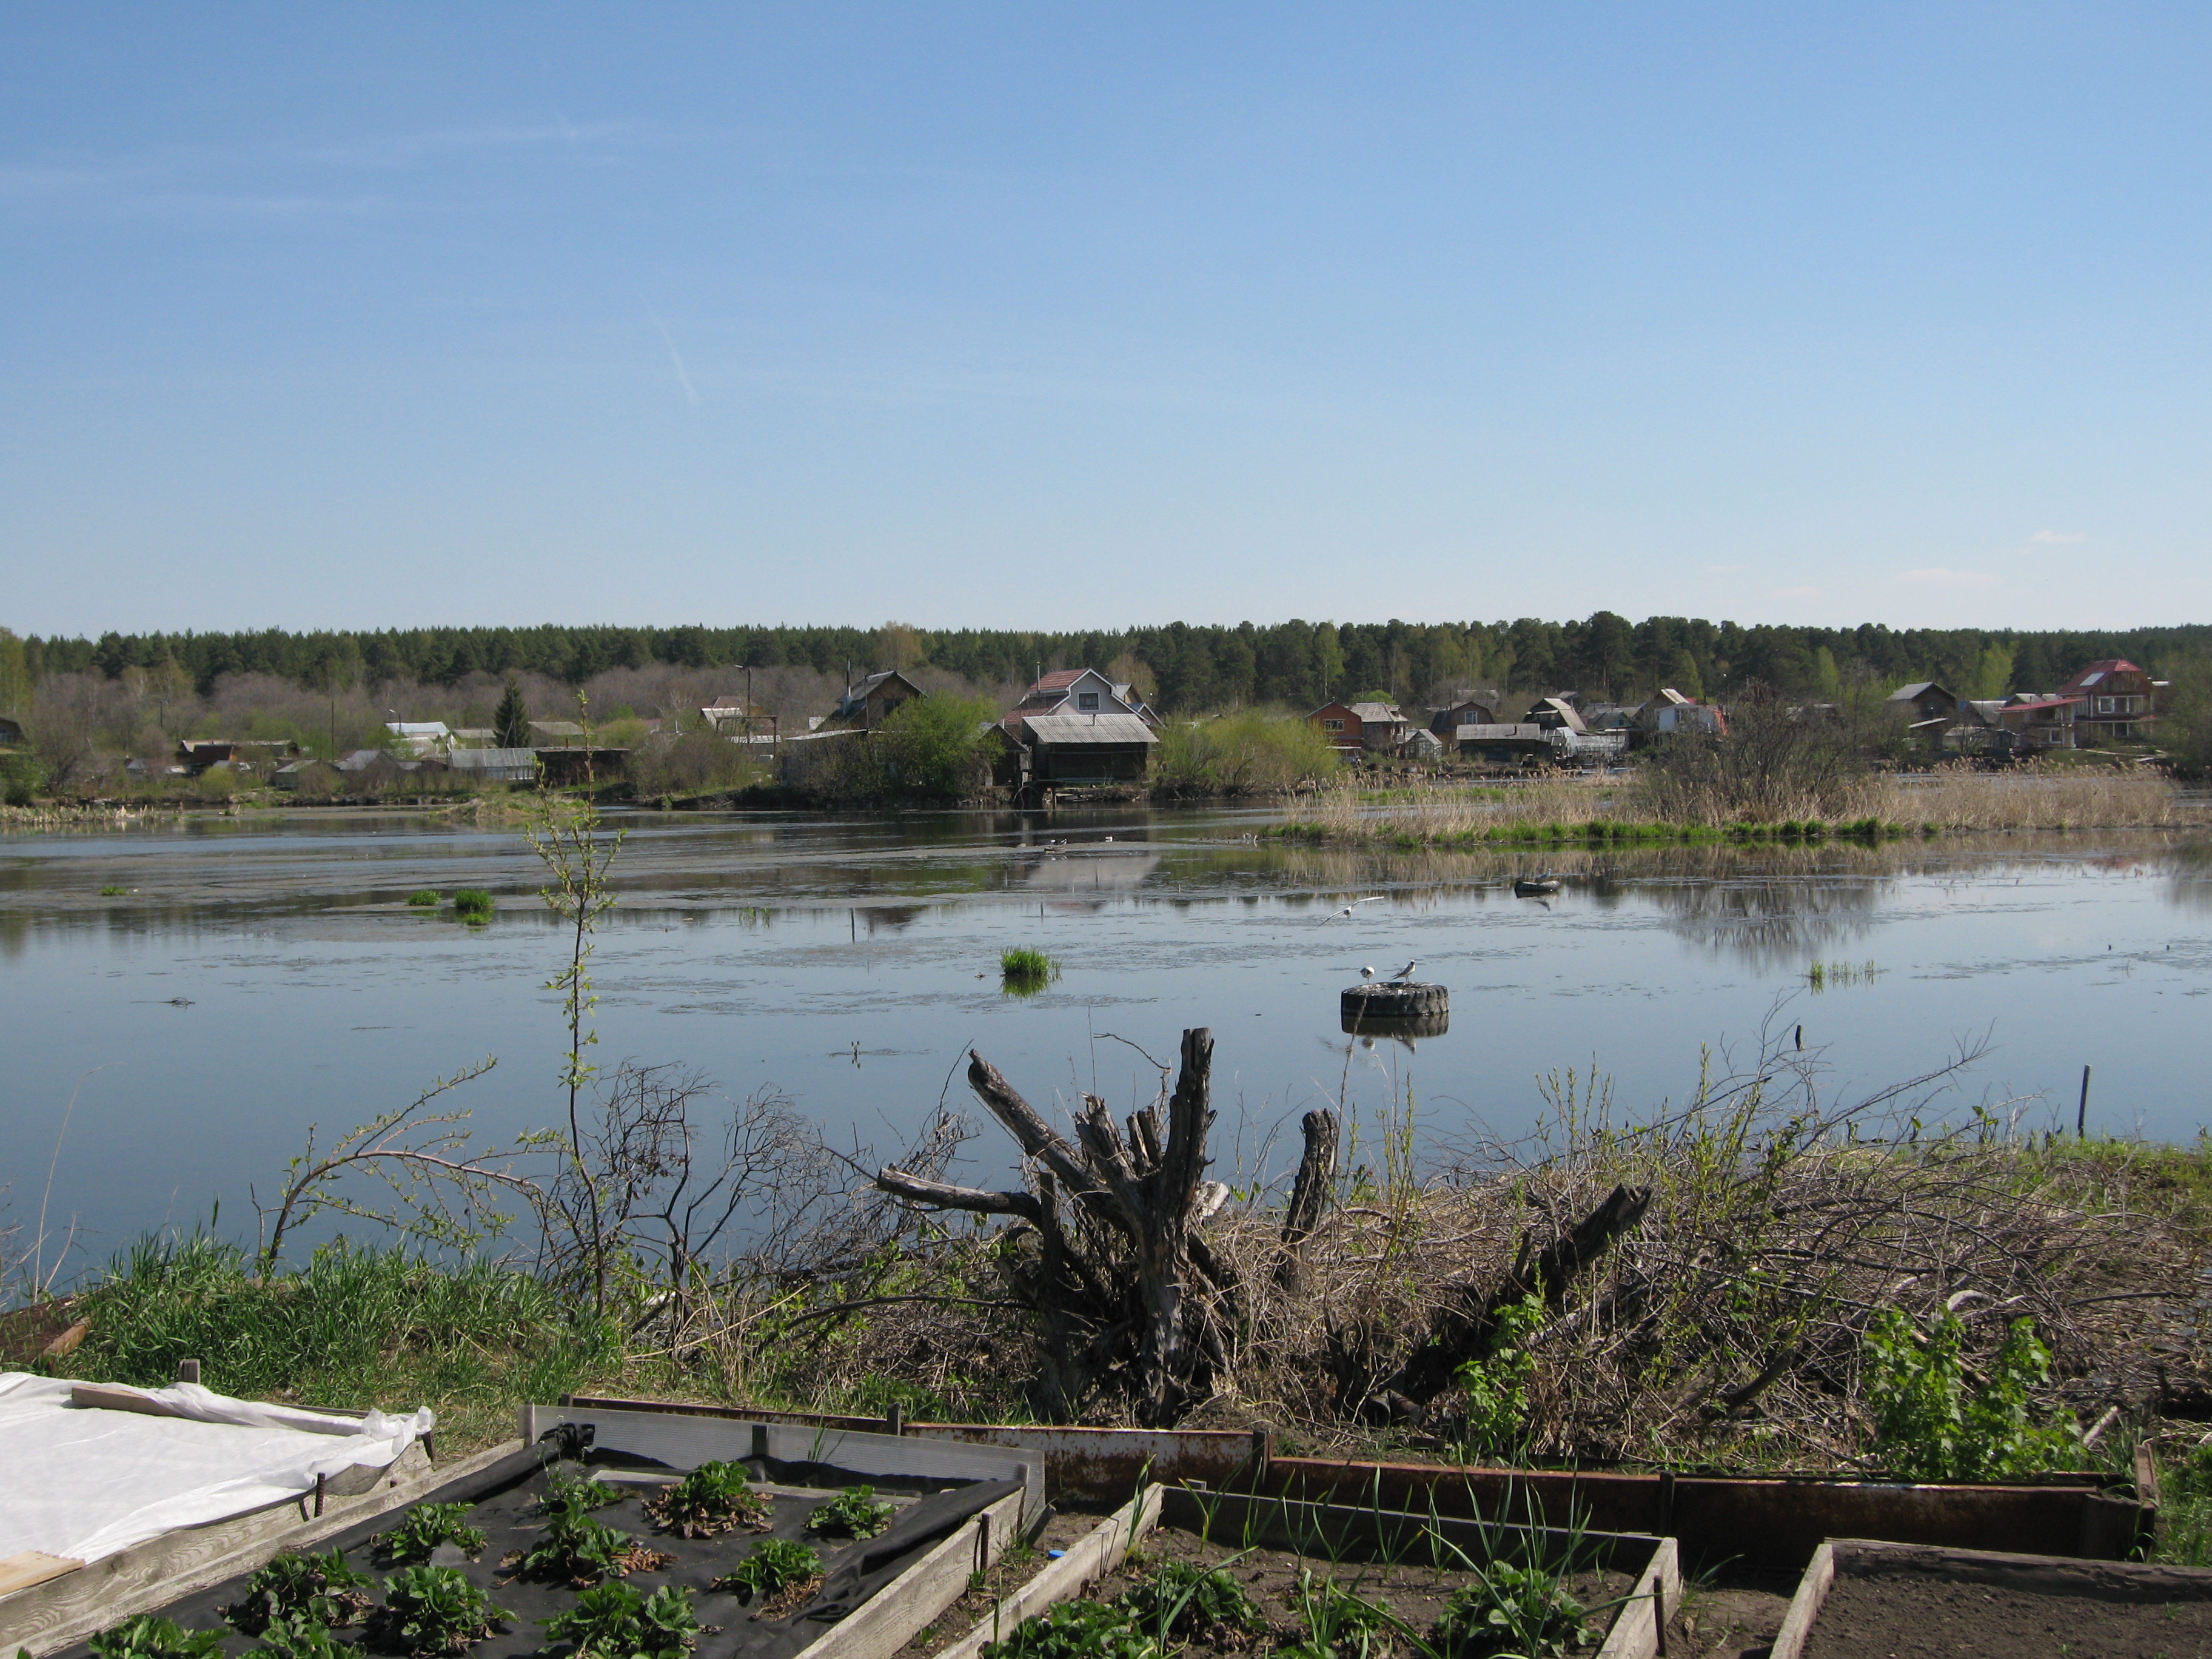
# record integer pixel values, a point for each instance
(1182, 667)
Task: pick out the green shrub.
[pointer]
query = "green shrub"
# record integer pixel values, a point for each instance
(619, 1621)
(713, 1499)
(776, 1565)
(1932, 1423)
(424, 1529)
(113, 891)
(148, 1638)
(321, 1588)
(423, 898)
(1524, 1611)
(1077, 1630)
(1497, 1385)
(852, 1513)
(473, 904)
(1254, 752)
(21, 777)
(433, 1611)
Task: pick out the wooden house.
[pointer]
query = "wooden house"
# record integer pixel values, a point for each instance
(2118, 702)
(1339, 726)
(866, 704)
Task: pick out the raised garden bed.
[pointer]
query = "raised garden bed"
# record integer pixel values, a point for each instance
(1218, 1575)
(835, 1546)
(1864, 1600)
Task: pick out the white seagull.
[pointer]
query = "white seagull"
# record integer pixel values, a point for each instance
(1404, 974)
(1372, 898)
(1367, 972)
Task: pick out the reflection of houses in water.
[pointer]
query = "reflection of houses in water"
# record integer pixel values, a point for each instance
(1772, 923)
(1103, 873)
(885, 918)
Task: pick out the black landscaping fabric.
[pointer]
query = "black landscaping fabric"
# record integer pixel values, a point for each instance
(505, 1500)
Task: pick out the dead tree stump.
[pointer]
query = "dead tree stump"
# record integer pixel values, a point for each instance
(1128, 1295)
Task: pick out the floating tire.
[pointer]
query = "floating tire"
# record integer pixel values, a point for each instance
(1397, 1009)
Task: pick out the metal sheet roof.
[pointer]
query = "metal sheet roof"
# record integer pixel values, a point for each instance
(1089, 728)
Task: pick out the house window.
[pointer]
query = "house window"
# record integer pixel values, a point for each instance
(1331, 725)
(2104, 705)
(1086, 700)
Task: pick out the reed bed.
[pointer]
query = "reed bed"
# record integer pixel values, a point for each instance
(1639, 806)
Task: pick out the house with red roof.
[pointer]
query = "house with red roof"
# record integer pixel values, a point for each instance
(1076, 726)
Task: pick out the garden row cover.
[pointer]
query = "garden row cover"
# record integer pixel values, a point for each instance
(505, 1500)
(82, 1483)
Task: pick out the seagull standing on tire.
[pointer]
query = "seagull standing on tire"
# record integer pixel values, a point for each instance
(1368, 973)
(1404, 974)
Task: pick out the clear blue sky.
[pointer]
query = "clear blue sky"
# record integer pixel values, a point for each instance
(1059, 315)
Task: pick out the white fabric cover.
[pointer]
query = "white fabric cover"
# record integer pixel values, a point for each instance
(85, 1483)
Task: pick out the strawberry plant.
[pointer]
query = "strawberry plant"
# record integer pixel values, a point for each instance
(432, 1612)
(322, 1588)
(618, 1621)
(776, 1566)
(852, 1513)
(713, 1499)
(148, 1638)
(424, 1529)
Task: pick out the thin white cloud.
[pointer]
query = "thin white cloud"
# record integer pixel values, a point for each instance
(2056, 537)
(1937, 576)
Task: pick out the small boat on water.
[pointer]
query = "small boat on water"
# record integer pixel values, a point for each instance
(1535, 886)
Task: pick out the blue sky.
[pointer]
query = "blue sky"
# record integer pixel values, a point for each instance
(1062, 316)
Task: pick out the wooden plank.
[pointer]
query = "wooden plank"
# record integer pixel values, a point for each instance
(1805, 1606)
(48, 1617)
(887, 1621)
(1096, 1554)
(1656, 1596)
(29, 1567)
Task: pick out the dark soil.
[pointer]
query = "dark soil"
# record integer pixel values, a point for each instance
(1020, 1562)
(1414, 1594)
(1894, 1615)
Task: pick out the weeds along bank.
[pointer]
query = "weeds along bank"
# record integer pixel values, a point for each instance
(1630, 806)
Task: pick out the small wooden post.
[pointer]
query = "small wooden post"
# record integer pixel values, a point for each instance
(760, 1441)
(2082, 1112)
(1263, 1451)
(983, 1541)
(319, 1495)
(188, 1370)
(895, 1420)
(1659, 1612)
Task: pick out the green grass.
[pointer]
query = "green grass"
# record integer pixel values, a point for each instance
(472, 904)
(1026, 971)
(353, 1327)
(423, 898)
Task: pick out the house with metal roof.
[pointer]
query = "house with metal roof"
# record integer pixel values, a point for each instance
(495, 765)
(1081, 691)
(866, 704)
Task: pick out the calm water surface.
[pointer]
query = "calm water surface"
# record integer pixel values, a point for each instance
(263, 976)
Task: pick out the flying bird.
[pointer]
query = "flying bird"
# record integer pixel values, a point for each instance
(1404, 974)
(1372, 898)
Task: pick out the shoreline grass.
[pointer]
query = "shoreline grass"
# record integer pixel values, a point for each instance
(1609, 812)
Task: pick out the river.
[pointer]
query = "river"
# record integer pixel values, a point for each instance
(258, 974)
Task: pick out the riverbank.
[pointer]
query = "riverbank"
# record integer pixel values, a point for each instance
(1606, 809)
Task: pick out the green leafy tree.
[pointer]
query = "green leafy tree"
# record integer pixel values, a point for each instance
(510, 722)
(1497, 1385)
(935, 744)
(2186, 730)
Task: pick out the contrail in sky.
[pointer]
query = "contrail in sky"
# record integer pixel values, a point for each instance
(674, 357)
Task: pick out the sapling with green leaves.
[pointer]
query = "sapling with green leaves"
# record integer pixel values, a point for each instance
(712, 1499)
(852, 1513)
(1933, 1423)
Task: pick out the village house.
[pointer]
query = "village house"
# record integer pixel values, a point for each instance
(2118, 702)
(1340, 727)
(196, 755)
(1463, 710)
(495, 765)
(306, 775)
(1554, 714)
(423, 737)
(550, 734)
(866, 705)
(11, 731)
(1668, 711)
(1075, 726)
(2028, 722)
